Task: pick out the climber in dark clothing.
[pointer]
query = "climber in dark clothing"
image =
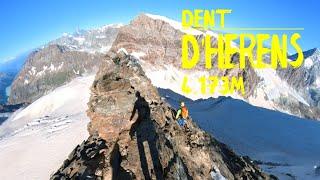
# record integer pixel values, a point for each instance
(144, 130)
(142, 106)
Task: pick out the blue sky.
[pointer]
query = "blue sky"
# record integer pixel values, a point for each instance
(30, 24)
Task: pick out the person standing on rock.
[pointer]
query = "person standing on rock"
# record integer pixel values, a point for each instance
(182, 115)
(144, 131)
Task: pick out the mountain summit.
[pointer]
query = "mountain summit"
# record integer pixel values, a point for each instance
(133, 135)
(156, 41)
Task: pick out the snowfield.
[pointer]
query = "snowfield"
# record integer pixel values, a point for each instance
(286, 145)
(34, 141)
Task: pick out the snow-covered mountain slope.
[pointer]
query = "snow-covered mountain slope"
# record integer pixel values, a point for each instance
(283, 143)
(156, 41)
(61, 60)
(93, 41)
(271, 89)
(49, 68)
(35, 140)
(307, 78)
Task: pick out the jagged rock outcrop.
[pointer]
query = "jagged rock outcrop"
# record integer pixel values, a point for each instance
(85, 161)
(140, 138)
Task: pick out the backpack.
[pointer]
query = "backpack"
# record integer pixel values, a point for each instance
(184, 112)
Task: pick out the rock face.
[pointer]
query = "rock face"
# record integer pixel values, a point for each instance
(85, 161)
(156, 41)
(133, 135)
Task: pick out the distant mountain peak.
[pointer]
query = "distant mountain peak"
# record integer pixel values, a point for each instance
(308, 53)
(62, 60)
(118, 25)
(175, 24)
(97, 40)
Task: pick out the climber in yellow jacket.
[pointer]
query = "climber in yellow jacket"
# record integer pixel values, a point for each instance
(182, 114)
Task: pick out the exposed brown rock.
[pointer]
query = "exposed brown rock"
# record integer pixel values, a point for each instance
(142, 139)
(161, 44)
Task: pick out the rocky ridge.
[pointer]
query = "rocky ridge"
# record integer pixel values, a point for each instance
(133, 135)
